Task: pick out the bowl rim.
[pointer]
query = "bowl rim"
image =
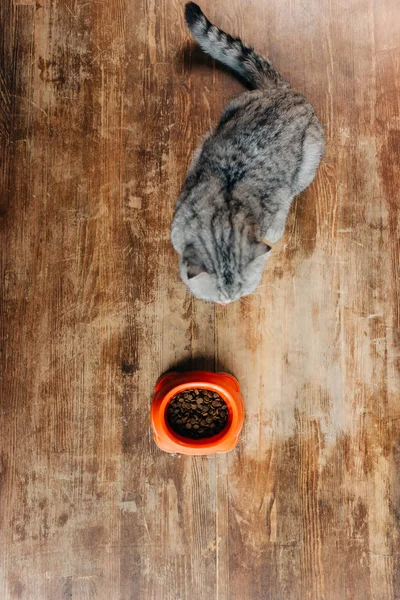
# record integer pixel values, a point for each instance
(209, 442)
(171, 441)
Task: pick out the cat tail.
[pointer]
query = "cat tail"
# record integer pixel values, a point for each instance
(243, 60)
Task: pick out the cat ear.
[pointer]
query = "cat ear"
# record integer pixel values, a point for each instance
(194, 270)
(193, 263)
(261, 248)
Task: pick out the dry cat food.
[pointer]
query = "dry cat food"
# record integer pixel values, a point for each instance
(197, 413)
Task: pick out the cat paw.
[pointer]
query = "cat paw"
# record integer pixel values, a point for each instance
(275, 232)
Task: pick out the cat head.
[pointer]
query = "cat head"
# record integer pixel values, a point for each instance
(223, 267)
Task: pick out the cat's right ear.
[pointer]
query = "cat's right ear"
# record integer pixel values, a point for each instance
(194, 270)
(192, 262)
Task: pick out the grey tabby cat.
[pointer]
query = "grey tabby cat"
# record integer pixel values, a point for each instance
(239, 187)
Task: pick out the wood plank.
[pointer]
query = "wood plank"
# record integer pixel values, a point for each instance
(102, 105)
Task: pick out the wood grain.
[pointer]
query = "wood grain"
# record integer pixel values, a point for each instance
(101, 106)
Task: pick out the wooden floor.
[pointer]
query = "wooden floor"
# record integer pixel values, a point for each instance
(102, 104)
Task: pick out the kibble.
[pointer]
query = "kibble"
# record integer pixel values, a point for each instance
(197, 414)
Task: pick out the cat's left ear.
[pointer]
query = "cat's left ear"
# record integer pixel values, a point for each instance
(261, 248)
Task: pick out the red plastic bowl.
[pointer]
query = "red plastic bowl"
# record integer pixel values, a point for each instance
(172, 384)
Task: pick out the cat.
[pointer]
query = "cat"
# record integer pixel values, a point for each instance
(242, 179)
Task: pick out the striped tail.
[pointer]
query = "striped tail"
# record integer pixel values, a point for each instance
(243, 60)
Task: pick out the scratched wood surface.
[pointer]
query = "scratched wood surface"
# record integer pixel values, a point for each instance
(102, 104)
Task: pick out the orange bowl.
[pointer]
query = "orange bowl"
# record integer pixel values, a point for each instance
(172, 384)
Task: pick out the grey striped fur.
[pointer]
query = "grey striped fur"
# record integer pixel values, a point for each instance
(240, 185)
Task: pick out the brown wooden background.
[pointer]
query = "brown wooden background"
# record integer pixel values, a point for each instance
(102, 103)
